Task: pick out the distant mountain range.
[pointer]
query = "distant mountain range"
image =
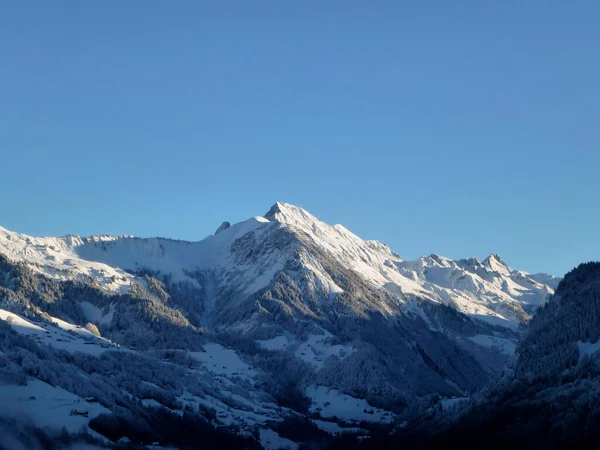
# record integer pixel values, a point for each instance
(278, 320)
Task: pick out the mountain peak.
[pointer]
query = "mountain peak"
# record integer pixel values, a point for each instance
(472, 261)
(438, 260)
(223, 226)
(494, 258)
(288, 214)
(495, 263)
(275, 209)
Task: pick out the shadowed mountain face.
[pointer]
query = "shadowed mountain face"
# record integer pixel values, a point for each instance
(547, 397)
(566, 331)
(303, 304)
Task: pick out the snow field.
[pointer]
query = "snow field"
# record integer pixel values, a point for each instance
(63, 335)
(330, 403)
(48, 406)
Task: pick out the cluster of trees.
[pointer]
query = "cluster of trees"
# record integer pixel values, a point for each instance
(187, 431)
(550, 346)
(16, 434)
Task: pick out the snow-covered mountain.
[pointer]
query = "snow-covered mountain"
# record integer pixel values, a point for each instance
(487, 290)
(312, 317)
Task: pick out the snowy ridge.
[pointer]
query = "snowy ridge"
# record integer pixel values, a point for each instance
(488, 290)
(56, 258)
(246, 256)
(107, 260)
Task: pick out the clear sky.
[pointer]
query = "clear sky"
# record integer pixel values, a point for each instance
(453, 127)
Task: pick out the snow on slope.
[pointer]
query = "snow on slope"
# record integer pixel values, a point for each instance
(95, 315)
(57, 259)
(330, 403)
(315, 351)
(47, 406)
(223, 361)
(240, 403)
(276, 343)
(544, 278)
(334, 429)
(235, 410)
(272, 441)
(61, 335)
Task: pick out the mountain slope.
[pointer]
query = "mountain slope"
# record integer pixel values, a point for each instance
(313, 310)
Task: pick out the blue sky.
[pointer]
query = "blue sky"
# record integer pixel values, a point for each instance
(460, 128)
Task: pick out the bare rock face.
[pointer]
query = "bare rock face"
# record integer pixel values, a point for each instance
(223, 226)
